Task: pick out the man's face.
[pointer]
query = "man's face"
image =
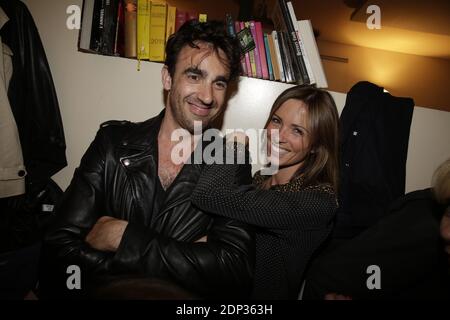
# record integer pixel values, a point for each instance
(196, 92)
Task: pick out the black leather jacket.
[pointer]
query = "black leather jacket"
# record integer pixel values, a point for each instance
(117, 177)
(33, 98)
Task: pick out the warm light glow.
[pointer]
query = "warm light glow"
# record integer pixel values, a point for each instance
(397, 40)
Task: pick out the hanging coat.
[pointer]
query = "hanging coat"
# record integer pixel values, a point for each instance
(12, 170)
(374, 145)
(32, 96)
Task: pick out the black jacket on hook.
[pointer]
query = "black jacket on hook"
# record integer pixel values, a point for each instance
(374, 145)
(33, 97)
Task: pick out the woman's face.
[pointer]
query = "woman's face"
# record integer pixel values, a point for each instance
(292, 145)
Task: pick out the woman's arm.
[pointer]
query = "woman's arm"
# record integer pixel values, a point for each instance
(218, 191)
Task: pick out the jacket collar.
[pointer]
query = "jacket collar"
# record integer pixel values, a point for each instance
(139, 152)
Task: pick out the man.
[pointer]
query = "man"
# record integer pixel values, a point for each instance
(128, 210)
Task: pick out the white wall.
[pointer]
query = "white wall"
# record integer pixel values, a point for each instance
(92, 89)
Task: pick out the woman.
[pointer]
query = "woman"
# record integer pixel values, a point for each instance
(293, 208)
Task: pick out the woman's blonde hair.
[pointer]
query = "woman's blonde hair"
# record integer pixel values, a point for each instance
(441, 183)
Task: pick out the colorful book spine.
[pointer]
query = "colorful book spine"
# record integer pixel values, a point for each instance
(248, 65)
(119, 42)
(130, 28)
(157, 31)
(171, 18)
(237, 27)
(276, 43)
(143, 29)
(258, 60)
(268, 56)
(262, 51)
(181, 18)
(251, 55)
(274, 58)
(230, 25)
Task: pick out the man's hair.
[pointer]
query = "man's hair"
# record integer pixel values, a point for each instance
(212, 32)
(321, 166)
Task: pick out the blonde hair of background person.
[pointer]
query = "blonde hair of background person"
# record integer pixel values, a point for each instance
(441, 191)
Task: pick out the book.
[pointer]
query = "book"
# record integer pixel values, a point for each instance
(157, 31)
(282, 22)
(248, 66)
(171, 18)
(143, 29)
(257, 49)
(268, 56)
(262, 50)
(283, 40)
(251, 53)
(301, 43)
(180, 19)
(237, 28)
(130, 15)
(276, 43)
(109, 26)
(307, 34)
(97, 26)
(87, 14)
(119, 41)
(230, 25)
(274, 58)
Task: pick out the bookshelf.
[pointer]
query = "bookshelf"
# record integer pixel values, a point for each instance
(277, 48)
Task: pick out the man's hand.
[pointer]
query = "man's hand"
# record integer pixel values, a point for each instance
(106, 234)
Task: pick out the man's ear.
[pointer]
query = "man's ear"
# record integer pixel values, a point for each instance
(166, 78)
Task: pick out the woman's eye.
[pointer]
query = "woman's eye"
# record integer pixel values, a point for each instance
(275, 120)
(298, 132)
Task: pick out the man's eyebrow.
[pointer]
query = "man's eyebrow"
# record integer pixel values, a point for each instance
(222, 79)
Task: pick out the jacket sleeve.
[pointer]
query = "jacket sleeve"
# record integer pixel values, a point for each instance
(220, 267)
(218, 192)
(78, 211)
